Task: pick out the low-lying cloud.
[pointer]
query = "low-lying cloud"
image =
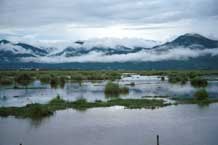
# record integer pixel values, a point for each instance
(142, 56)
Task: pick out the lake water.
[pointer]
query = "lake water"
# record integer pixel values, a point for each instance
(176, 125)
(144, 86)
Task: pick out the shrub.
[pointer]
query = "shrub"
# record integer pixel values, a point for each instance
(176, 78)
(37, 111)
(132, 84)
(201, 95)
(162, 78)
(62, 81)
(114, 90)
(123, 90)
(23, 79)
(44, 78)
(6, 81)
(199, 82)
(54, 82)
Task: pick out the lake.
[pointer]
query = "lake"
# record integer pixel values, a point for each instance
(144, 86)
(176, 125)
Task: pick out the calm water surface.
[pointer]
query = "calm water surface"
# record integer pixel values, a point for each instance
(176, 125)
(144, 86)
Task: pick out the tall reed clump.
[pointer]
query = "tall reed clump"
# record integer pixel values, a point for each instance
(114, 90)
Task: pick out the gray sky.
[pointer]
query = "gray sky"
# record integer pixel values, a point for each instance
(59, 20)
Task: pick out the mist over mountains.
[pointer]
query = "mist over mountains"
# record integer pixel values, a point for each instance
(185, 52)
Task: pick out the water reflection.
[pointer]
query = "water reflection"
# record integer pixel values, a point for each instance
(183, 124)
(38, 92)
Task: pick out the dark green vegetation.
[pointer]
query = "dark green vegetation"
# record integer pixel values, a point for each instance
(178, 78)
(201, 95)
(23, 79)
(199, 82)
(53, 77)
(114, 90)
(195, 78)
(6, 81)
(43, 110)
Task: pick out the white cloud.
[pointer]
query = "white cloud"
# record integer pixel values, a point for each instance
(146, 55)
(84, 19)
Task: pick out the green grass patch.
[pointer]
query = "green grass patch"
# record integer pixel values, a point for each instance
(43, 110)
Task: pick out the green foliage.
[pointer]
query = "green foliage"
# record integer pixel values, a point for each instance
(62, 81)
(201, 95)
(54, 82)
(124, 90)
(40, 110)
(44, 78)
(6, 81)
(199, 82)
(178, 78)
(24, 79)
(114, 90)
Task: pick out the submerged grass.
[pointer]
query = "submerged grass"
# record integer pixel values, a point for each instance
(43, 110)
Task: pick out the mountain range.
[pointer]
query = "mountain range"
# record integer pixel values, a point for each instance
(188, 51)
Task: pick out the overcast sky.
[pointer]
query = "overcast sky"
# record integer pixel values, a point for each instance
(60, 20)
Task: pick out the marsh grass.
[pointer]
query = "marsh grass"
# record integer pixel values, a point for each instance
(114, 90)
(57, 103)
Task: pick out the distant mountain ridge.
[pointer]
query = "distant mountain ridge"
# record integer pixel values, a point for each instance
(194, 41)
(187, 48)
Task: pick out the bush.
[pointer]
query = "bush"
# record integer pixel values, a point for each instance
(201, 95)
(123, 90)
(6, 81)
(62, 81)
(199, 82)
(132, 84)
(23, 79)
(178, 78)
(114, 90)
(37, 111)
(54, 82)
(162, 78)
(44, 79)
